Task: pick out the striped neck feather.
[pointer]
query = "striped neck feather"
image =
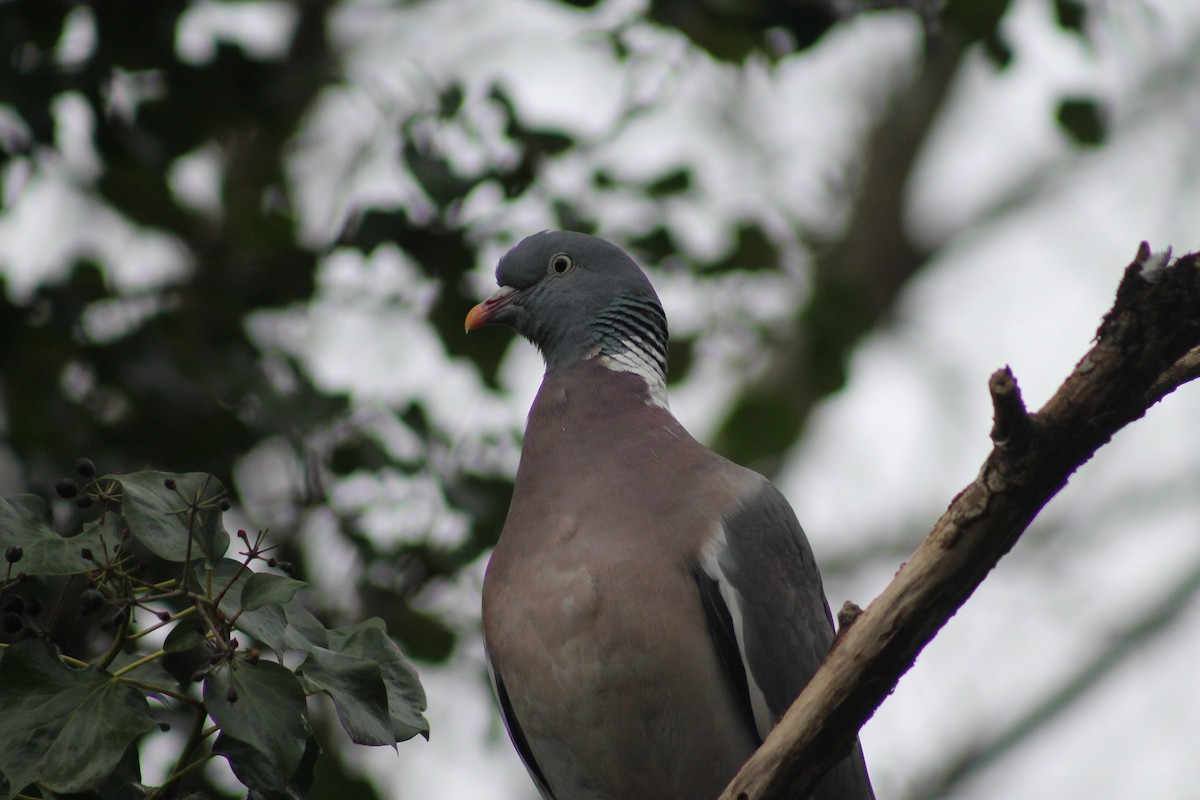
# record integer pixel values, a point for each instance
(631, 336)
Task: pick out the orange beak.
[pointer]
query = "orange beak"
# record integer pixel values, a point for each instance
(482, 314)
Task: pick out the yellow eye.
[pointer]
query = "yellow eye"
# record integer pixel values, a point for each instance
(561, 264)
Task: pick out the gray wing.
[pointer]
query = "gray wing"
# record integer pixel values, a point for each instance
(767, 613)
(513, 726)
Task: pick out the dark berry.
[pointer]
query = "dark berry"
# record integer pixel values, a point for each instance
(67, 488)
(83, 501)
(169, 483)
(13, 554)
(12, 623)
(14, 603)
(87, 554)
(272, 561)
(85, 467)
(225, 504)
(164, 727)
(286, 566)
(164, 616)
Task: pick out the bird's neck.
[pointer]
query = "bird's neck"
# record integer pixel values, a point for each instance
(589, 407)
(631, 336)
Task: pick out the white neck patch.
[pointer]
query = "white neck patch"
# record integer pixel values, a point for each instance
(634, 358)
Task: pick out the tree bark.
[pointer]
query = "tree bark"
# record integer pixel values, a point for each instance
(1147, 345)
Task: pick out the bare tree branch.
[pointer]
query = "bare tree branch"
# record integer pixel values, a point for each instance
(1145, 347)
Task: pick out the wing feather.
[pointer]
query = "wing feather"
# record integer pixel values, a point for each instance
(767, 583)
(520, 743)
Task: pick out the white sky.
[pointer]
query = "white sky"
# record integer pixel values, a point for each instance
(1025, 288)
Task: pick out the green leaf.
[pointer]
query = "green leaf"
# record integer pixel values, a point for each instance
(261, 703)
(187, 633)
(25, 521)
(674, 182)
(123, 783)
(358, 692)
(265, 589)
(226, 578)
(975, 19)
(289, 626)
(998, 50)
(1084, 120)
(65, 728)
(262, 776)
(160, 518)
(437, 176)
(1071, 15)
(752, 251)
(406, 699)
(284, 627)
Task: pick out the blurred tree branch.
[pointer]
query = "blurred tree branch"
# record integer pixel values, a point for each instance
(1129, 641)
(1145, 347)
(858, 277)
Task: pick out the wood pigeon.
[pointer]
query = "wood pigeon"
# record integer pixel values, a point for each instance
(651, 608)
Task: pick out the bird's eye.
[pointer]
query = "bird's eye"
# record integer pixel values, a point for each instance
(561, 264)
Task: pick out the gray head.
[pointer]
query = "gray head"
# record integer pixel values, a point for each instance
(575, 296)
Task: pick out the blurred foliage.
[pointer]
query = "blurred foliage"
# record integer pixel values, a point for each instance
(1084, 120)
(185, 385)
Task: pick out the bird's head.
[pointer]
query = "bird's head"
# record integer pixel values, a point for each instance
(576, 296)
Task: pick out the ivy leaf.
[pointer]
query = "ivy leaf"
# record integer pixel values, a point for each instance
(65, 728)
(284, 627)
(264, 589)
(161, 518)
(123, 783)
(261, 703)
(262, 776)
(187, 633)
(287, 626)
(406, 698)
(25, 521)
(358, 692)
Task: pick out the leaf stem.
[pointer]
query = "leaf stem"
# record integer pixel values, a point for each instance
(155, 689)
(140, 662)
(156, 626)
(118, 642)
